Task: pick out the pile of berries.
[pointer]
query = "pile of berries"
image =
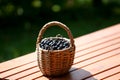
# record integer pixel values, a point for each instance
(54, 43)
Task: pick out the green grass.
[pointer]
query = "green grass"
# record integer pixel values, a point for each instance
(18, 41)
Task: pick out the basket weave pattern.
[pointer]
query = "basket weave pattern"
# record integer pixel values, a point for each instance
(55, 62)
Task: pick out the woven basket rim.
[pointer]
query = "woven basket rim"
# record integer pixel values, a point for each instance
(66, 49)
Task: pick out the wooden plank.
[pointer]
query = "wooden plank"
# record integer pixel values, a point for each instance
(98, 35)
(109, 50)
(101, 66)
(31, 77)
(21, 61)
(92, 69)
(105, 74)
(23, 73)
(95, 43)
(19, 69)
(43, 78)
(93, 51)
(114, 77)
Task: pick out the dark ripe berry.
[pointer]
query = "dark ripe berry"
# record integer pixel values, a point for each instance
(54, 43)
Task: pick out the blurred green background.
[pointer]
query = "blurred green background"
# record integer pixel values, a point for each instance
(21, 20)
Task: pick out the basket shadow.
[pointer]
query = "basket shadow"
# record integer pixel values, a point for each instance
(79, 74)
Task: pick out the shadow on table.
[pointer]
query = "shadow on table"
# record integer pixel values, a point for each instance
(77, 74)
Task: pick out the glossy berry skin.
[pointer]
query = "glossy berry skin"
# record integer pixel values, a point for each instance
(54, 43)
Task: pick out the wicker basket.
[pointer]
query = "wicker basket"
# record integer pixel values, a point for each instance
(55, 62)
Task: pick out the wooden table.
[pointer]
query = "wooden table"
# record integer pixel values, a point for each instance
(97, 58)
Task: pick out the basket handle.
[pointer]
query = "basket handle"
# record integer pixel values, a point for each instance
(55, 23)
